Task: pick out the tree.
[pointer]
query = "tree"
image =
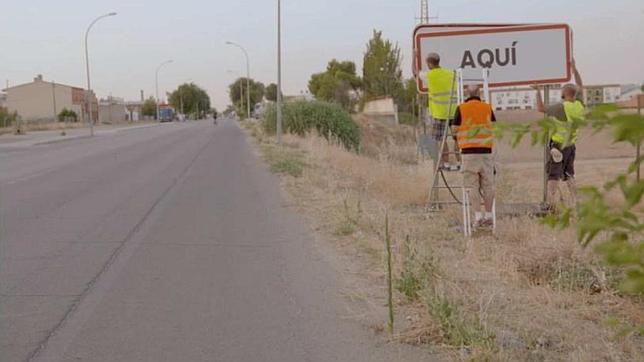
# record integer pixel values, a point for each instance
(271, 92)
(381, 68)
(189, 98)
(67, 115)
(237, 94)
(149, 107)
(7, 118)
(338, 84)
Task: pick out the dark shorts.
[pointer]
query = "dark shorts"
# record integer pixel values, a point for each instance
(438, 129)
(565, 169)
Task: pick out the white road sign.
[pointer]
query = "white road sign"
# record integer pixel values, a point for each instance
(515, 54)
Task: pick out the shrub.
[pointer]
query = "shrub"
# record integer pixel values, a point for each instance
(66, 115)
(7, 118)
(407, 118)
(329, 120)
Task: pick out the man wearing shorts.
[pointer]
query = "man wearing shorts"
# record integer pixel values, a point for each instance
(561, 163)
(441, 92)
(474, 120)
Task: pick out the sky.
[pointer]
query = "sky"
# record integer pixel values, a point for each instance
(46, 37)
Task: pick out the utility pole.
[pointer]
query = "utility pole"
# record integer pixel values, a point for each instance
(424, 11)
(53, 96)
(279, 72)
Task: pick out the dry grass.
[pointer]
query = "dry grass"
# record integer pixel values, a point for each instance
(530, 293)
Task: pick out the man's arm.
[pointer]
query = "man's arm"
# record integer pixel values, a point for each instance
(457, 118)
(576, 74)
(540, 107)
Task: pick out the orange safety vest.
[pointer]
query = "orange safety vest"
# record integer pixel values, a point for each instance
(475, 130)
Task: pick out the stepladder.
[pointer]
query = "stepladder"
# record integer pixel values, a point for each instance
(445, 186)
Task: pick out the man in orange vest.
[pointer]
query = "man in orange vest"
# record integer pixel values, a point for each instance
(475, 139)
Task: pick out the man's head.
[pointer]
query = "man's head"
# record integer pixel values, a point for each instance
(433, 60)
(569, 92)
(472, 90)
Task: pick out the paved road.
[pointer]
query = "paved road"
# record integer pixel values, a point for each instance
(164, 244)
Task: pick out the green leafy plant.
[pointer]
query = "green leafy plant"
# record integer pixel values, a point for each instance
(7, 119)
(329, 120)
(67, 115)
(615, 230)
(149, 107)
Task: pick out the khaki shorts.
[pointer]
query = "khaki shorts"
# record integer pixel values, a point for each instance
(478, 176)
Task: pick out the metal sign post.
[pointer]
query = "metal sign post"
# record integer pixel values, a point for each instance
(546, 146)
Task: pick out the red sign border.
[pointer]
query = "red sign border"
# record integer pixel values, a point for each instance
(497, 28)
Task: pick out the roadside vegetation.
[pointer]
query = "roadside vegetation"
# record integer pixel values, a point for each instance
(532, 292)
(327, 119)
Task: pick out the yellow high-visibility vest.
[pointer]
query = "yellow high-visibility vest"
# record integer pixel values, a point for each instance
(441, 88)
(574, 111)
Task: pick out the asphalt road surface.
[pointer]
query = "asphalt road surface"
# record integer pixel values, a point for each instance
(168, 243)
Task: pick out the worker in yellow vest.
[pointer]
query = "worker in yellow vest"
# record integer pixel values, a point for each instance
(441, 92)
(567, 114)
(473, 120)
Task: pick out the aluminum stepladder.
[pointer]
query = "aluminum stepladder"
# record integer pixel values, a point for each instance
(457, 97)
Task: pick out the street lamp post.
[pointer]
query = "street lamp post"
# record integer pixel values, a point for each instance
(156, 83)
(89, 88)
(247, 75)
(279, 72)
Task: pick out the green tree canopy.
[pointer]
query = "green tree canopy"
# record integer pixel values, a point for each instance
(149, 107)
(237, 94)
(381, 68)
(271, 92)
(189, 98)
(336, 83)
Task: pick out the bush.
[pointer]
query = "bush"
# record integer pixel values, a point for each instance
(67, 113)
(328, 119)
(407, 118)
(7, 118)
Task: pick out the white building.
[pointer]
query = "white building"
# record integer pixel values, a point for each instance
(517, 98)
(526, 98)
(598, 94)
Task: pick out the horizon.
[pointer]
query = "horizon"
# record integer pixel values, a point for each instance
(126, 49)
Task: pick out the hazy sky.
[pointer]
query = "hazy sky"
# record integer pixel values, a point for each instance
(46, 36)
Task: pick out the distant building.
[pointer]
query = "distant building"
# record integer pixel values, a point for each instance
(43, 101)
(526, 98)
(112, 110)
(630, 91)
(3, 100)
(134, 110)
(598, 94)
(513, 98)
(382, 109)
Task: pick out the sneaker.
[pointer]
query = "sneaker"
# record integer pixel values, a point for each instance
(450, 167)
(484, 223)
